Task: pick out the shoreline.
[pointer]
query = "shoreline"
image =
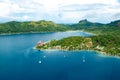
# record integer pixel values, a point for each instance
(4, 34)
(98, 52)
(22, 33)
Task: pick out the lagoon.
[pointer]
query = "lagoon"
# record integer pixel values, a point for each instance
(19, 61)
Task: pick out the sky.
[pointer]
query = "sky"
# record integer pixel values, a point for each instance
(60, 11)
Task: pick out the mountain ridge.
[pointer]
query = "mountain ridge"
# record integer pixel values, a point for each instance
(50, 26)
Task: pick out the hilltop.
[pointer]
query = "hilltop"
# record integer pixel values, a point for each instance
(98, 28)
(115, 23)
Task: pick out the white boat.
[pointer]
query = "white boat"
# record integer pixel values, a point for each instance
(83, 57)
(40, 62)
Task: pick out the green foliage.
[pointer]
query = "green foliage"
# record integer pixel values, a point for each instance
(112, 28)
(107, 38)
(49, 26)
(32, 26)
(104, 43)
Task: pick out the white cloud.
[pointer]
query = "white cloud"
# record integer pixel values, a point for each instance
(4, 9)
(66, 11)
(68, 2)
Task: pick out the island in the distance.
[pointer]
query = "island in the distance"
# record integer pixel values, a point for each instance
(106, 44)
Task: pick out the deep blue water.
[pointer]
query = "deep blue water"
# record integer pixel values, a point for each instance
(19, 61)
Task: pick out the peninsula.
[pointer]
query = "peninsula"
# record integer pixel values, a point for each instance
(106, 44)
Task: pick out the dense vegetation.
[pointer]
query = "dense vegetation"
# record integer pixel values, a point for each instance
(112, 28)
(107, 39)
(49, 26)
(31, 26)
(105, 43)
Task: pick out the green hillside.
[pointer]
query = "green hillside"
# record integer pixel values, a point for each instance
(31, 26)
(49, 26)
(106, 40)
(104, 43)
(98, 28)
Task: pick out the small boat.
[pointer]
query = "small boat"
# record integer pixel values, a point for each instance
(40, 62)
(83, 57)
(83, 60)
(44, 56)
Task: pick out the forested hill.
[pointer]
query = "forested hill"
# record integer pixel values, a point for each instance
(98, 28)
(115, 23)
(87, 24)
(31, 26)
(49, 26)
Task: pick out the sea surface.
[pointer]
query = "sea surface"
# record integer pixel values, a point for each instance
(20, 61)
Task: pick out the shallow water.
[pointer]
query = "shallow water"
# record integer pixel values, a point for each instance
(19, 61)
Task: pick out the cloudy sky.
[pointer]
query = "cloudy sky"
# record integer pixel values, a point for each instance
(60, 11)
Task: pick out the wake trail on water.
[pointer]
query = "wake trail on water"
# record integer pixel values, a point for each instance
(29, 51)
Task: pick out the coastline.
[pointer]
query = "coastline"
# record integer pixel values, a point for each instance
(29, 32)
(98, 52)
(2, 34)
(25, 33)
